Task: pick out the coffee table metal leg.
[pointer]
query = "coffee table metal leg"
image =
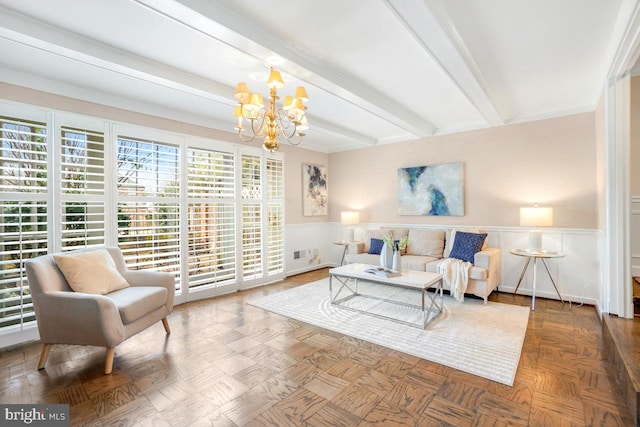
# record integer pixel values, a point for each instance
(344, 284)
(434, 308)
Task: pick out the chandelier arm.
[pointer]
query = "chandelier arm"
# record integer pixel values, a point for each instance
(245, 138)
(285, 123)
(269, 121)
(297, 141)
(258, 130)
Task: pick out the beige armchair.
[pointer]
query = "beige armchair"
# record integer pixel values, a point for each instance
(65, 316)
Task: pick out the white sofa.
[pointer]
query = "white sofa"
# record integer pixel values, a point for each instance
(426, 248)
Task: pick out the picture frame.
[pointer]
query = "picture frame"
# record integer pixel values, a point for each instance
(434, 190)
(314, 190)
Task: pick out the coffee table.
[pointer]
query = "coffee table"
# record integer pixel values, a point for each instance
(349, 275)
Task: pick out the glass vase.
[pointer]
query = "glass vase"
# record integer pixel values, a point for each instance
(396, 264)
(386, 256)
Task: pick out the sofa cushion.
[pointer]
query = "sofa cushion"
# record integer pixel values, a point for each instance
(451, 237)
(465, 245)
(362, 258)
(476, 273)
(426, 242)
(415, 262)
(137, 301)
(372, 234)
(91, 272)
(375, 246)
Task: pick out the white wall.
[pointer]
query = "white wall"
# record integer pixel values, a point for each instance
(577, 274)
(635, 236)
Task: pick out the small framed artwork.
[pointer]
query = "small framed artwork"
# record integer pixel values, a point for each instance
(314, 190)
(431, 190)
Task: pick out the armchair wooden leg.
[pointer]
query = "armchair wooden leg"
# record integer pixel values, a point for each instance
(165, 323)
(43, 355)
(108, 364)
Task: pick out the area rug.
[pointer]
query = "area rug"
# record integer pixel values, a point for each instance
(483, 340)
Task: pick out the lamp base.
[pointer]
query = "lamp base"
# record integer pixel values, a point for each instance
(348, 237)
(535, 240)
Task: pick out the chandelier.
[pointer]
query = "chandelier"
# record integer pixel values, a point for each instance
(271, 122)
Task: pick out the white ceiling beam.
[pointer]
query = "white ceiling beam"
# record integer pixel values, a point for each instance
(440, 40)
(39, 35)
(36, 34)
(332, 129)
(259, 43)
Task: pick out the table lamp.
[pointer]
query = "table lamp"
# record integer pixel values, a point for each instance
(536, 216)
(349, 218)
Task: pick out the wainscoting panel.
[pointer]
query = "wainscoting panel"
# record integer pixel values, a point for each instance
(310, 246)
(578, 274)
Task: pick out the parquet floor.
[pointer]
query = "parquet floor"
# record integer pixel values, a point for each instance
(230, 364)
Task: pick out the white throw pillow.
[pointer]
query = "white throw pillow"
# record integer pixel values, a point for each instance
(92, 272)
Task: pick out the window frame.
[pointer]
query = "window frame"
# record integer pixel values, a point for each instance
(54, 198)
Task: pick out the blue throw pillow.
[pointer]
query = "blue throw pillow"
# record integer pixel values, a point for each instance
(466, 245)
(376, 246)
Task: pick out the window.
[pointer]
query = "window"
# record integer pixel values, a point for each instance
(82, 185)
(210, 213)
(148, 182)
(251, 217)
(275, 217)
(24, 211)
(212, 223)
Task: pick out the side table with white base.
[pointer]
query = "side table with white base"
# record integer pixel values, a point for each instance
(543, 255)
(346, 248)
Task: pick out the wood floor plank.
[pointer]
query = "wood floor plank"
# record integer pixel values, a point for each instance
(233, 365)
(331, 415)
(386, 413)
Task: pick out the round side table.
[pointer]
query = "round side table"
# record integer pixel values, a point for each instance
(346, 248)
(535, 255)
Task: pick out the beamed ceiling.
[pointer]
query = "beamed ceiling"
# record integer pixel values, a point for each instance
(377, 71)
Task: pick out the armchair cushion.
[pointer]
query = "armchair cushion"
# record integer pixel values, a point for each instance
(92, 272)
(137, 301)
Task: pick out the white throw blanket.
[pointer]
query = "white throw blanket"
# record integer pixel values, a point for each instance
(455, 274)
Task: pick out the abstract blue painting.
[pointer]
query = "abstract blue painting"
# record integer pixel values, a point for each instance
(431, 190)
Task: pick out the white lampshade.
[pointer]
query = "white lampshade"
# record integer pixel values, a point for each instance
(349, 217)
(536, 217)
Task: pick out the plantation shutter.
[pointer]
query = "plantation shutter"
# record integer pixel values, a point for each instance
(275, 216)
(82, 188)
(149, 205)
(211, 223)
(251, 217)
(23, 214)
